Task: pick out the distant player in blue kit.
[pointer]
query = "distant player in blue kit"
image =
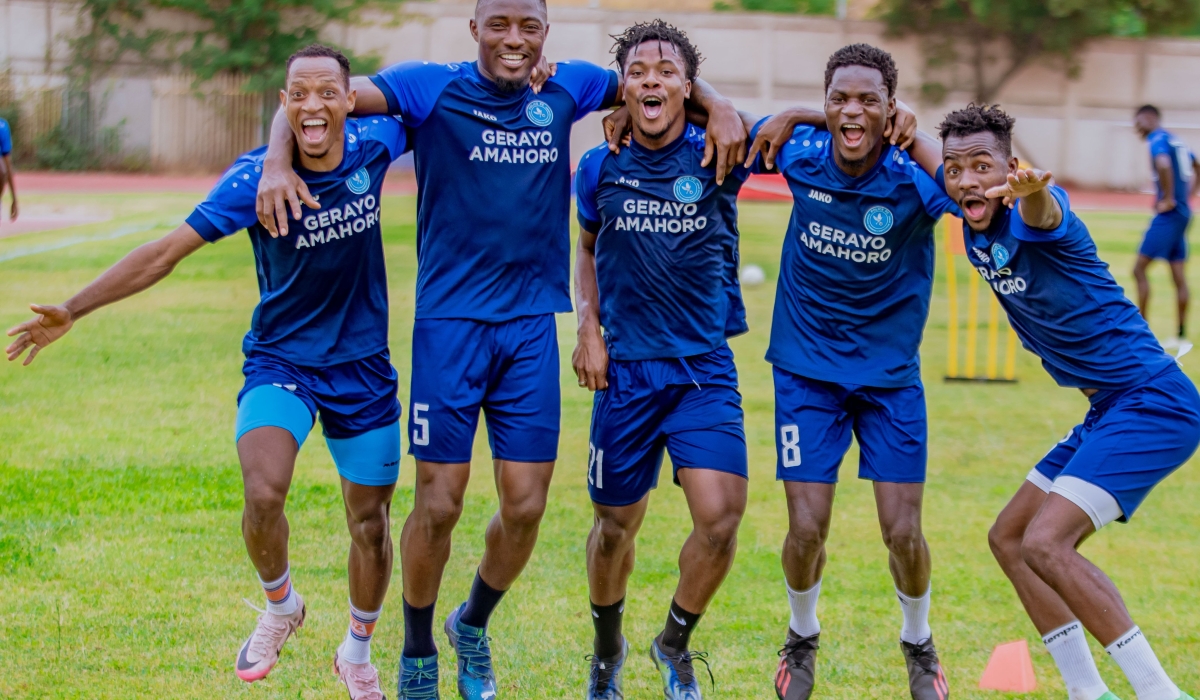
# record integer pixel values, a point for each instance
(851, 304)
(1144, 420)
(6, 169)
(317, 346)
(493, 253)
(657, 295)
(1176, 177)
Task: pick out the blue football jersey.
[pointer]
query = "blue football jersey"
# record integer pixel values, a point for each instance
(1063, 302)
(666, 248)
(857, 266)
(5, 138)
(494, 179)
(323, 287)
(1162, 142)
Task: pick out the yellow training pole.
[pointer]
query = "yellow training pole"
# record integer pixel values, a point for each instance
(972, 322)
(1010, 360)
(993, 336)
(952, 291)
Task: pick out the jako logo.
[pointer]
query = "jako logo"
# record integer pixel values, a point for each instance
(823, 197)
(688, 189)
(359, 182)
(485, 115)
(984, 257)
(632, 183)
(539, 113)
(878, 220)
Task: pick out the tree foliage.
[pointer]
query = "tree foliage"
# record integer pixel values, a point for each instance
(995, 39)
(245, 38)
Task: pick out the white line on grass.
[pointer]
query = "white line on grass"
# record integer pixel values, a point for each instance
(67, 242)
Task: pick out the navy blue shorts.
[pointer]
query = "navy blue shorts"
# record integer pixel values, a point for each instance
(814, 421)
(356, 402)
(508, 369)
(688, 407)
(1131, 440)
(1166, 239)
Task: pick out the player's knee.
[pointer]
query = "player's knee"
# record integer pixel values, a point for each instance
(904, 540)
(805, 535)
(439, 514)
(720, 535)
(1038, 551)
(612, 537)
(370, 532)
(523, 513)
(264, 503)
(1006, 547)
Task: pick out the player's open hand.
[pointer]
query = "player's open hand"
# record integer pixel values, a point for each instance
(771, 137)
(724, 138)
(1021, 183)
(280, 184)
(50, 324)
(901, 129)
(542, 72)
(1162, 206)
(590, 361)
(12, 211)
(618, 129)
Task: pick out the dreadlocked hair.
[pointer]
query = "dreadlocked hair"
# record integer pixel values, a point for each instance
(974, 119)
(863, 55)
(658, 30)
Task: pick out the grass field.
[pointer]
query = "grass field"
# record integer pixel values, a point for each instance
(122, 570)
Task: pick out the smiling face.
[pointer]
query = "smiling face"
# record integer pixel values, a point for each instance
(316, 101)
(510, 35)
(974, 164)
(656, 87)
(857, 107)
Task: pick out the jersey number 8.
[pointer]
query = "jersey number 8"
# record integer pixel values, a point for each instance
(789, 445)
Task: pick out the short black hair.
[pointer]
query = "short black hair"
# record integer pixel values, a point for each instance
(863, 55)
(1149, 108)
(660, 31)
(974, 119)
(321, 51)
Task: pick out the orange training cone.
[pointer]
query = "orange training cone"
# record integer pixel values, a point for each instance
(1010, 669)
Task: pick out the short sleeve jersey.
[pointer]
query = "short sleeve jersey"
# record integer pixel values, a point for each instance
(494, 185)
(1063, 302)
(323, 287)
(1162, 142)
(857, 268)
(5, 138)
(666, 248)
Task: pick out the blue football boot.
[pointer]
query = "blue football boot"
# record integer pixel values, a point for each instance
(476, 679)
(604, 681)
(678, 673)
(418, 678)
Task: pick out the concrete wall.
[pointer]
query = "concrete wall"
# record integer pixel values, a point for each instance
(1081, 129)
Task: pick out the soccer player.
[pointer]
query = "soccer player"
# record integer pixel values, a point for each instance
(493, 246)
(1176, 177)
(851, 304)
(1144, 420)
(656, 268)
(6, 168)
(317, 345)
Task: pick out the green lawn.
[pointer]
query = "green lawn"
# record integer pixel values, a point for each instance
(122, 571)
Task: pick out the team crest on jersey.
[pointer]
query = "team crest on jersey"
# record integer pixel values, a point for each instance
(878, 220)
(688, 189)
(539, 113)
(1000, 255)
(359, 182)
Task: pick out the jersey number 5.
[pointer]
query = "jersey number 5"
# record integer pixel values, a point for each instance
(421, 423)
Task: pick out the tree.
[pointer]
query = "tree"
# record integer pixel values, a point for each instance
(995, 39)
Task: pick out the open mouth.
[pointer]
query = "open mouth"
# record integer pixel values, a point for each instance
(974, 208)
(512, 60)
(652, 107)
(853, 135)
(314, 130)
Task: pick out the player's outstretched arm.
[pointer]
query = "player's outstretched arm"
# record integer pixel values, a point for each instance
(927, 152)
(590, 358)
(725, 135)
(1038, 208)
(139, 270)
(1166, 181)
(280, 188)
(901, 131)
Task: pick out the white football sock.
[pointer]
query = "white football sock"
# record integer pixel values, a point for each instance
(1068, 645)
(356, 647)
(1135, 657)
(804, 610)
(281, 599)
(916, 617)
